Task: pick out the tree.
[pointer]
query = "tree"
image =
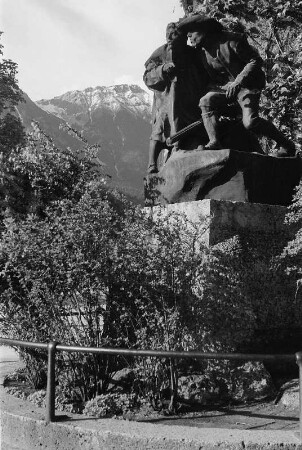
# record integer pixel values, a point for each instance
(47, 174)
(10, 93)
(34, 173)
(11, 129)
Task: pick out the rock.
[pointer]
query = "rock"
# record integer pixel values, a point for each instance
(199, 388)
(224, 175)
(251, 381)
(290, 394)
(246, 382)
(122, 380)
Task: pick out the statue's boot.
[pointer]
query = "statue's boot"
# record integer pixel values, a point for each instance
(154, 151)
(213, 145)
(211, 126)
(268, 129)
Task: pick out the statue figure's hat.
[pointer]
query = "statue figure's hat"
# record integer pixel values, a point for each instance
(198, 22)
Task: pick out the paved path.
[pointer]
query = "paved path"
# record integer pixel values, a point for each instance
(9, 361)
(8, 354)
(75, 432)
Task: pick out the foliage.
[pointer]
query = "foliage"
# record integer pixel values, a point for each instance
(56, 274)
(43, 174)
(97, 272)
(292, 254)
(275, 29)
(108, 405)
(10, 93)
(184, 295)
(34, 173)
(11, 129)
(270, 290)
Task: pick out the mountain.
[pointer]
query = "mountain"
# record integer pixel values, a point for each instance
(115, 117)
(29, 111)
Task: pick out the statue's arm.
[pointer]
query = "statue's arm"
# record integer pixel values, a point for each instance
(250, 56)
(155, 76)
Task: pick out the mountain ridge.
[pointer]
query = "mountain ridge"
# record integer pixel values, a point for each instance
(132, 97)
(116, 117)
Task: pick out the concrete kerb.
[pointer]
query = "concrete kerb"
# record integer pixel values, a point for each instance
(23, 428)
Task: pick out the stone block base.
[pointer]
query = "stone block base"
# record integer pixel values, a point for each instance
(227, 218)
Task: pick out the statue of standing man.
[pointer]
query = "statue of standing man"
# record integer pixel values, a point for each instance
(176, 76)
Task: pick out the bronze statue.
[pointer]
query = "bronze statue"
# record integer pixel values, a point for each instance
(177, 78)
(235, 71)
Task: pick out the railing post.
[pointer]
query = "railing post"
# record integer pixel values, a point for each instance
(299, 362)
(51, 378)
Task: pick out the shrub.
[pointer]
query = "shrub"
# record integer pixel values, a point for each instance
(108, 405)
(98, 272)
(291, 256)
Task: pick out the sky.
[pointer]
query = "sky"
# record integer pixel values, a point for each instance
(63, 45)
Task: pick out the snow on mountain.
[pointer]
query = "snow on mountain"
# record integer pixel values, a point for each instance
(117, 118)
(114, 98)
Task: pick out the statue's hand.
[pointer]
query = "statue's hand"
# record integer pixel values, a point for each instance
(232, 90)
(169, 69)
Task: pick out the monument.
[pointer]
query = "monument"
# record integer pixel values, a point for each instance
(206, 116)
(215, 166)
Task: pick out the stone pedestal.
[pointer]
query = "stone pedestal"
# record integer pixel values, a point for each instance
(224, 175)
(227, 218)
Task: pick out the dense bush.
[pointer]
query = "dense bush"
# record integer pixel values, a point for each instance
(108, 405)
(56, 274)
(98, 272)
(292, 255)
(40, 174)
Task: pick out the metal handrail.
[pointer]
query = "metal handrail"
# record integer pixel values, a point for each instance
(52, 347)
